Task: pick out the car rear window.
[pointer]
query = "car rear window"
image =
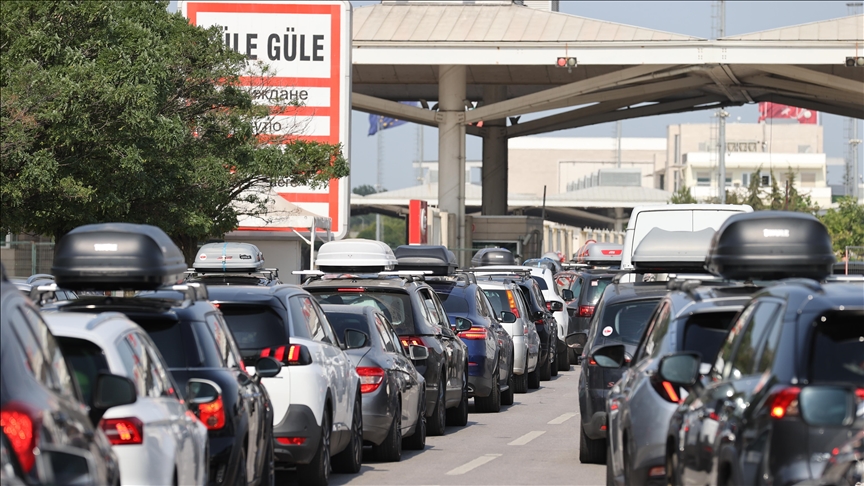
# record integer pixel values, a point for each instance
(87, 360)
(168, 336)
(499, 300)
(837, 352)
(342, 321)
(625, 321)
(594, 290)
(396, 306)
(541, 282)
(254, 327)
(452, 298)
(706, 332)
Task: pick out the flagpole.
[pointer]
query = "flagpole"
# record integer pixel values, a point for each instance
(378, 187)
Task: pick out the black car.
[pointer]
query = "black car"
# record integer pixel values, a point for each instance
(48, 432)
(189, 331)
(418, 317)
(587, 287)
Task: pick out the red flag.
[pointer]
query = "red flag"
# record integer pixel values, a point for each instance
(775, 110)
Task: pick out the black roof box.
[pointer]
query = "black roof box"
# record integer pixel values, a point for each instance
(493, 256)
(117, 256)
(664, 251)
(435, 258)
(769, 245)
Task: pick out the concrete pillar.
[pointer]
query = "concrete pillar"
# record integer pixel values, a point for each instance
(451, 149)
(494, 156)
(619, 219)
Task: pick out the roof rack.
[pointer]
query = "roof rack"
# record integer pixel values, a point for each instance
(39, 276)
(806, 282)
(192, 291)
(410, 275)
(501, 270)
(457, 276)
(270, 273)
(43, 294)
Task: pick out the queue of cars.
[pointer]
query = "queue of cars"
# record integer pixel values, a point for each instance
(136, 370)
(724, 354)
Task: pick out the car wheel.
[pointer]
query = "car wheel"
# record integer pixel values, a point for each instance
(553, 362)
(269, 476)
(507, 396)
(534, 378)
(349, 460)
(438, 418)
(417, 440)
(591, 451)
(520, 383)
(610, 478)
(546, 370)
(241, 478)
(391, 449)
(459, 416)
(492, 403)
(317, 472)
(573, 357)
(671, 469)
(563, 360)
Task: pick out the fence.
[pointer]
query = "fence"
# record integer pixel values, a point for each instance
(853, 259)
(25, 258)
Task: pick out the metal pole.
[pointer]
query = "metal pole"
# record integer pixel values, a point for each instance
(618, 136)
(33, 258)
(378, 231)
(312, 248)
(543, 218)
(721, 184)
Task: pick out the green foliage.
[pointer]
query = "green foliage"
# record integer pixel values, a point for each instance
(845, 224)
(683, 196)
(795, 201)
(753, 197)
(365, 190)
(122, 111)
(775, 197)
(394, 231)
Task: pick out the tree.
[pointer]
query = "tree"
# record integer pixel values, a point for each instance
(393, 231)
(845, 224)
(122, 111)
(753, 197)
(776, 200)
(683, 196)
(796, 201)
(365, 190)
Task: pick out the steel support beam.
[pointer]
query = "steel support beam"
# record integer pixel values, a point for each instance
(815, 77)
(378, 106)
(451, 148)
(495, 161)
(851, 112)
(808, 90)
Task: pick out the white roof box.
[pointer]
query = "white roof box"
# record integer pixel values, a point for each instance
(229, 257)
(355, 255)
(673, 251)
(601, 253)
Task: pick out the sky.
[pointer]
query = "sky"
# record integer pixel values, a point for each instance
(400, 144)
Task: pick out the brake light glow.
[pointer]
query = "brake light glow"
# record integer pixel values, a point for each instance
(474, 333)
(352, 289)
(586, 310)
(123, 431)
(411, 341)
(511, 301)
(785, 403)
(859, 392)
(293, 354)
(23, 435)
(291, 440)
(212, 414)
(280, 353)
(591, 361)
(548, 306)
(370, 378)
(657, 471)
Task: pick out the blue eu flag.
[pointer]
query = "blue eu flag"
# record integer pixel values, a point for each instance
(379, 122)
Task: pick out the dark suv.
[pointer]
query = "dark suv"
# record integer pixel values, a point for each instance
(587, 287)
(418, 318)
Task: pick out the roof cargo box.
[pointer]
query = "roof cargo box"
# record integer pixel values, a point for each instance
(493, 256)
(768, 245)
(229, 257)
(117, 256)
(355, 255)
(435, 258)
(601, 254)
(664, 251)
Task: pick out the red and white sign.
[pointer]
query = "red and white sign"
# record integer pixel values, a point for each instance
(417, 224)
(307, 46)
(775, 110)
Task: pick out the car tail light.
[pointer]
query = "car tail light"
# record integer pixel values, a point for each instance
(474, 333)
(291, 440)
(22, 429)
(667, 391)
(860, 394)
(511, 300)
(657, 471)
(370, 378)
(123, 431)
(549, 306)
(352, 289)
(586, 310)
(293, 354)
(212, 414)
(411, 341)
(785, 403)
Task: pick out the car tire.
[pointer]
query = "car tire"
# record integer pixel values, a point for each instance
(520, 383)
(591, 451)
(417, 440)
(459, 416)
(574, 358)
(610, 478)
(438, 418)
(492, 403)
(350, 460)
(672, 478)
(317, 472)
(241, 478)
(546, 370)
(507, 396)
(563, 360)
(534, 378)
(269, 477)
(391, 449)
(553, 362)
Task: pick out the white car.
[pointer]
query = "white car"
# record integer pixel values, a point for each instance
(157, 439)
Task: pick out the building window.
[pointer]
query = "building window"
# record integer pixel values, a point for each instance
(808, 179)
(745, 179)
(703, 178)
(766, 180)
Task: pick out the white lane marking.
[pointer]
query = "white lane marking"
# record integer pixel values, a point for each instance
(562, 418)
(528, 437)
(473, 464)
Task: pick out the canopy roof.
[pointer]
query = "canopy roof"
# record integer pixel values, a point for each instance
(840, 29)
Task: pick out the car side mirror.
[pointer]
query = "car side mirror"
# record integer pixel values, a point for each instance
(567, 295)
(67, 465)
(267, 367)
(111, 391)
(556, 306)
(537, 316)
(462, 324)
(418, 353)
(612, 356)
(829, 406)
(355, 339)
(508, 317)
(577, 341)
(200, 391)
(680, 369)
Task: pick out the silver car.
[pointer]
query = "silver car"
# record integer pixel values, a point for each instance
(526, 342)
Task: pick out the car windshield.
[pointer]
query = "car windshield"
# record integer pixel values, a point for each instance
(254, 327)
(396, 306)
(342, 321)
(595, 290)
(625, 321)
(87, 360)
(837, 353)
(706, 332)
